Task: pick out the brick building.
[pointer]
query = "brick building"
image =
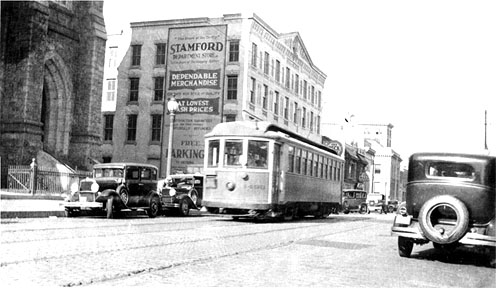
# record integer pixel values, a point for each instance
(51, 60)
(219, 69)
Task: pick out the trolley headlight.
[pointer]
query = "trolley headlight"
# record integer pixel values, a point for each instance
(172, 192)
(230, 186)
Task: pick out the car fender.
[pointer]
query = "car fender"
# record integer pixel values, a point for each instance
(182, 196)
(151, 194)
(106, 194)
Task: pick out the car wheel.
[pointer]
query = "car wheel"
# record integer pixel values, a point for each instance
(111, 209)
(438, 211)
(154, 208)
(184, 207)
(363, 209)
(405, 246)
(124, 196)
(391, 209)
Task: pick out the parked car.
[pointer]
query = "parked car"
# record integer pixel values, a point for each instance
(181, 192)
(392, 206)
(450, 201)
(354, 201)
(115, 187)
(377, 206)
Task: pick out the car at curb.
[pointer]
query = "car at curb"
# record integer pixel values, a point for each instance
(115, 187)
(450, 201)
(181, 192)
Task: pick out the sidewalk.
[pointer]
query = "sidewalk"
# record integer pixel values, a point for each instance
(16, 205)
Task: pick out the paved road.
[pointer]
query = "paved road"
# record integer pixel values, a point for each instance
(340, 251)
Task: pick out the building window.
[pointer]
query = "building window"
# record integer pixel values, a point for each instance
(288, 78)
(132, 123)
(133, 89)
(112, 57)
(160, 57)
(252, 90)
(295, 113)
(286, 107)
(319, 99)
(136, 56)
(111, 89)
(156, 127)
(276, 102)
(313, 95)
(266, 63)
(278, 71)
(159, 88)
(108, 128)
(297, 84)
(311, 121)
(303, 119)
(234, 51)
(265, 96)
(232, 87)
(305, 89)
(107, 159)
(377, 169)
(254, 53)
(230, 117)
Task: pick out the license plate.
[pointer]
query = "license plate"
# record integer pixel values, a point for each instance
(82, 199)
(403, 220)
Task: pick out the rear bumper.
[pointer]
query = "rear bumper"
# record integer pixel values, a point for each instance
(413, 231)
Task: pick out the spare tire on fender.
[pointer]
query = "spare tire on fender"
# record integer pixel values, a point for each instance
(437, 208)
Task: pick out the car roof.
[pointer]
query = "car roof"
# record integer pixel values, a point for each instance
(122, 165)
(185, 175)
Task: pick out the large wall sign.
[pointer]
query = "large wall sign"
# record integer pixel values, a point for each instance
(195, 77)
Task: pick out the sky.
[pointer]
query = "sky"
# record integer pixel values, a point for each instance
(426, 67)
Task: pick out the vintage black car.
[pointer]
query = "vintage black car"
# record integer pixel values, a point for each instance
(450, 201)
(181, 192)
(115, 187)
(354, 201)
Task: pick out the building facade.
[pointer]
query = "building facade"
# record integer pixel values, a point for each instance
(219, 69)
(51, 73)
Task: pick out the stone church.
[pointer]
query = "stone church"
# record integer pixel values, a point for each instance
(51, 72)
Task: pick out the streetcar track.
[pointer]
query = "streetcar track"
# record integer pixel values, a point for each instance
(4, 264)
(202, 260)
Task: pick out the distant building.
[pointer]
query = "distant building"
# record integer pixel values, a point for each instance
(219, 69)
(51, 71)
(387, 176)
(381, 133)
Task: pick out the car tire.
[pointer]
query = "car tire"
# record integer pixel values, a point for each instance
(405, 246)
(194, 197)
(111, 209)
(363, 209)
(154, 208)
(184, 207)
(391, 209)
(71, 213)
(427, 216)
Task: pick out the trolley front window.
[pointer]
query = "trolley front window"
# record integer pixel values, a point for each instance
(257, 154)
(232, 152)
(213, 153)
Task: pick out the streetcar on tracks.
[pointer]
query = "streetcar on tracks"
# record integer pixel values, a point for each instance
(260, 170)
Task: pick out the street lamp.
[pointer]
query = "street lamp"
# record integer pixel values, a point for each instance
(172, 106)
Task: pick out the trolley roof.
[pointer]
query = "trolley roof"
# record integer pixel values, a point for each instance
(260, 129)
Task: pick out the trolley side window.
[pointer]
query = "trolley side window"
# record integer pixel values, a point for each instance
(213, 153)
(291, 155)
(257, 154)
(232, 152)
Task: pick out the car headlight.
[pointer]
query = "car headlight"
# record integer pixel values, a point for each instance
(172, 192)
(94, 187)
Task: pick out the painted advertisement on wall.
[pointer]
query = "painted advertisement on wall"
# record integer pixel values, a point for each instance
(195, 77)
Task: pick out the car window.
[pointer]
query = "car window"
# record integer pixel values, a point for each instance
(132, 173)
(450, 169)
(146, 173)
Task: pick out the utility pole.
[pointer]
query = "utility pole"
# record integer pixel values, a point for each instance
(485, 129)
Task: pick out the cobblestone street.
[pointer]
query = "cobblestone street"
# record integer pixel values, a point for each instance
(340, 251)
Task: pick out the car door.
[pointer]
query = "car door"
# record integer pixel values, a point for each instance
(148, 183)
(133, 185)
